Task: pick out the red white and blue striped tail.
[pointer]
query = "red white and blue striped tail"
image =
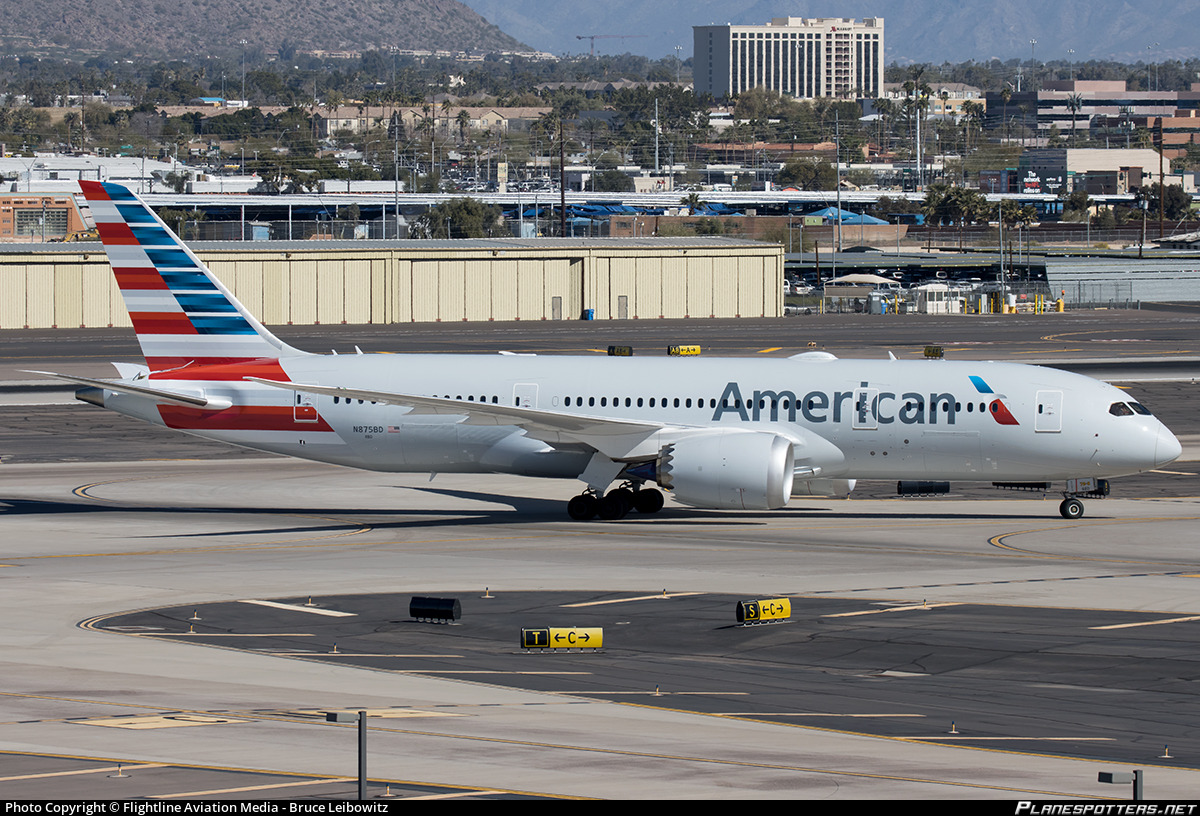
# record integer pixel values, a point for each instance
(183, 315)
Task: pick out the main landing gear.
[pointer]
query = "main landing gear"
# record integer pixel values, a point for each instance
(616, 503)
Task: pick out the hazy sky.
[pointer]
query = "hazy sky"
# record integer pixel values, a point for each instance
(916, 30)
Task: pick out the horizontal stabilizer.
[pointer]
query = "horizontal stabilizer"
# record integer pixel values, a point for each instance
(157, 394)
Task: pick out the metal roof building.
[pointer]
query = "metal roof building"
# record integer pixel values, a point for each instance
(308, 282)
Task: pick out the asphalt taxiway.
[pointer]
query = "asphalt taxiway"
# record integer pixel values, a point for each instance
(972, 646)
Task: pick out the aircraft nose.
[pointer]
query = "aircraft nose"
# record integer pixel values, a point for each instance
(1166, 447)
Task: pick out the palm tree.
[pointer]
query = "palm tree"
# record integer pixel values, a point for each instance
(1074, 105)
(464, 122)
(70, 120)
(886, 110)
(972, 116)
(1005, 95)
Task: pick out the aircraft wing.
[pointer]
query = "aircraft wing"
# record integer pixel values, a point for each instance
(616, 438)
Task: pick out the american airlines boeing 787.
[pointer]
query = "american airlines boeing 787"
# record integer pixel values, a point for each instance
(715, 433)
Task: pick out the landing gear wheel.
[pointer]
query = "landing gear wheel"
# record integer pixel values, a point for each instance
(1071, 509)
(613, 506)
(582, 508)
(624, 494)
(648, 500)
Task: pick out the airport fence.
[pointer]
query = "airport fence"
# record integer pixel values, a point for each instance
(1056, 233)
(1104, 294)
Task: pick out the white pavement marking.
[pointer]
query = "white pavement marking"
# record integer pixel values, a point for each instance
(1148, 623)
(333, 613)
(890, 609)
(657, 597)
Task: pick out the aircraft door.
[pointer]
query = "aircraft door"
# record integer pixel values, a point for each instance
(304, 408)
(864, 416)
(525, 395)
(1048, 418)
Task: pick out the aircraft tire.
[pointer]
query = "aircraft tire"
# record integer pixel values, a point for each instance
(648, 500)
(1071, 509)
(612, 507)
(582, 507)
(624, 494)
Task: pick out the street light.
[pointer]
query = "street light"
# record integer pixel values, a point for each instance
(1149, 48)
(1032, 64)
(243, 42)
(359, 717)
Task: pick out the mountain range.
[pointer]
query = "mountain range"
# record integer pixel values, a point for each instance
(185, 28)
(916, 30)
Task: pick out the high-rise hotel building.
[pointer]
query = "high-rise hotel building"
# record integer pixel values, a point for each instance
(795, 56)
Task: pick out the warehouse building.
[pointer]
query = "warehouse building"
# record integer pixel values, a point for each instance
(321, 282)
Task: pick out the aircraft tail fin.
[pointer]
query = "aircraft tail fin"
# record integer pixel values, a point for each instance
(182, 314)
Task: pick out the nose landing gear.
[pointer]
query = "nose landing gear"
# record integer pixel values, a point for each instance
(1071, 507)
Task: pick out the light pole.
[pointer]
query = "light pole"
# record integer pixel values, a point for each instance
(1071, 62)
(243, 42)
(1150, 48)
(1032, 65)
(837, 155)
(359, 717)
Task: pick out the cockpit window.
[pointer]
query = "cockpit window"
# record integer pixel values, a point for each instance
(1138, 408)
(1120, 409)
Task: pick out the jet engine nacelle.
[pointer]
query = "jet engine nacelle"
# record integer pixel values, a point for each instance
(742, 470)
(823, 487)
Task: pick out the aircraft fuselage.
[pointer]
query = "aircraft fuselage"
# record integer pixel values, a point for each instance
(882, 419)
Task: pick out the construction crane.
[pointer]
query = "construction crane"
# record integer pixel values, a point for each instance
(594, 37)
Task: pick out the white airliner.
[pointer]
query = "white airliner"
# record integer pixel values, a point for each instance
(715, 433)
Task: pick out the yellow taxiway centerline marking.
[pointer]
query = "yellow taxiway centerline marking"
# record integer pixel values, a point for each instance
(808, 714)
(217, 634)
(357, 654)
(769, 350)
(486, 671)
(251, 788)
(1011, 739)
(588, 692)
(113, 769)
